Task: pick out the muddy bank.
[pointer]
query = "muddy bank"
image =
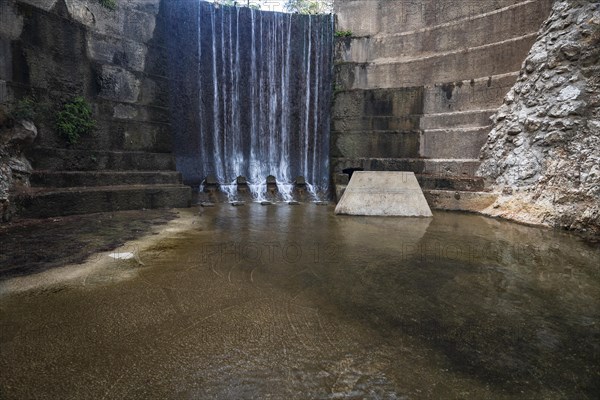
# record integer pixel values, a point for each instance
(31, 246)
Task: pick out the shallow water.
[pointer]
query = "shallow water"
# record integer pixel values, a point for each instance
(293, 302)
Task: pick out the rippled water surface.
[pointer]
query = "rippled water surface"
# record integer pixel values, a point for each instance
(293, 302)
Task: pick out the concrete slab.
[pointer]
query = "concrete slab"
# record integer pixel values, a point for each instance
(391, 193)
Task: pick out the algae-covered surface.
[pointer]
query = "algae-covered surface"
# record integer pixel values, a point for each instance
(35, 245)
(293, 302)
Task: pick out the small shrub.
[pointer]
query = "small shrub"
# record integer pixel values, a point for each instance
(343, 33)
(75, 119)
(110, 4)
(24, 109)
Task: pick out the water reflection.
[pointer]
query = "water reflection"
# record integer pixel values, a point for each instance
(296, 303)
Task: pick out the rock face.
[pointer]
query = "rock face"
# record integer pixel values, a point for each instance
(15, 169)
(543, 153)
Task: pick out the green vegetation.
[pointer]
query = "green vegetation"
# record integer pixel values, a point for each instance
(229, 3)
(110, 4)
(291, 6)
(24, 109)
(75, 119)
(343, 33)
(309, 6)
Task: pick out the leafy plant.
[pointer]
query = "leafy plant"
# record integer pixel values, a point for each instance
(75, 119)
(110, 4)
(309, 6)
(24, 109)
(230, 3)
(343, 33)
(255, 4)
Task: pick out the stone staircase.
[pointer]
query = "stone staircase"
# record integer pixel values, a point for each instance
(67, 182)
(438, 136)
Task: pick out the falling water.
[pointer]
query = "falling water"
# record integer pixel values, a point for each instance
(230, 189)
(251, 96)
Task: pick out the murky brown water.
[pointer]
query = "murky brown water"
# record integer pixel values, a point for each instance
(292, 302)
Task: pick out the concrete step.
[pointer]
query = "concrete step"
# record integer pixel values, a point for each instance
(102, 178)
(376, 123)
(440, 182)
(488, 60)
(446, 193)
(459, 200)
(50, 202)
(433, 182)
(457, 119)
(362, 18)
(468, 95)
(361, 109)
(499, 25)
(453, 143)
(439, 167)
(375, 144)
(55, 159)
(398, 102)
(118, 135)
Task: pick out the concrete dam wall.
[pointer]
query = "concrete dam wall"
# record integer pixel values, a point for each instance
(416, 81)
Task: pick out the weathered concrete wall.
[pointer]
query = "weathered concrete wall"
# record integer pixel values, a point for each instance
(57, 49)
(376, 123)
(460, 57)
(543, 153)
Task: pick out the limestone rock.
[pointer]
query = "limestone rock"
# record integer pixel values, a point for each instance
(11, 23)
(549, 172)
(15, 136)
(119, 84)
(16, 139)
(45, 5)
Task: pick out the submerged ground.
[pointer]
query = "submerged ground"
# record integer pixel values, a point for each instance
(293, 302)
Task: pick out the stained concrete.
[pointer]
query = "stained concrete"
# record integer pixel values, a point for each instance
(116, 59)
(446, 63)
(383, 193)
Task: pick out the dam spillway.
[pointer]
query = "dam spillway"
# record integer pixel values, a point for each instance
(251, 95)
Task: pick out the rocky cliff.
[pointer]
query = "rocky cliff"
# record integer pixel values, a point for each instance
(543, 153)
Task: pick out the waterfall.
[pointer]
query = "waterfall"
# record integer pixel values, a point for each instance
(251, 93)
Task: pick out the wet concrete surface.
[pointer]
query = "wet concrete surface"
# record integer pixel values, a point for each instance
(282, 302)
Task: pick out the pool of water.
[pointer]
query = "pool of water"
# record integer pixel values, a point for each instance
(293, 302)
